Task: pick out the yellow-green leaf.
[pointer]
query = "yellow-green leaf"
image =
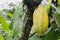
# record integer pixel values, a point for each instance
(1, 37)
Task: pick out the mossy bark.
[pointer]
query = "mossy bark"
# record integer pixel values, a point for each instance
(28, 8)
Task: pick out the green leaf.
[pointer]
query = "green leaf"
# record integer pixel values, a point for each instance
(9, 14)
(4, 23)
(57, 34)
(34, 37)
(1, 37)
(48, 5)
(57, 18)
(16, 22)
(17, 16)
(58, 1)
(50, 35)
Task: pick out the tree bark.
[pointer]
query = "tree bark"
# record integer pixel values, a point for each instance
(28, 8)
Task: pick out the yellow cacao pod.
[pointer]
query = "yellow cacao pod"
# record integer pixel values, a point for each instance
(40, 20)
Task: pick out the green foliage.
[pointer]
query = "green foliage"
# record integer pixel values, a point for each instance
(1, 37)
(57, 18)
(4, 23)
(12, 30)
(58, 1)
(35, 37)
(9, 14)
(48, 5)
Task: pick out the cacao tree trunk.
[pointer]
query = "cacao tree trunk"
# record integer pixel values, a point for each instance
(28, 8)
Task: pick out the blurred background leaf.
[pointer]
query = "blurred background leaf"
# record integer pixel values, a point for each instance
(4, 23)
(1, 37)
